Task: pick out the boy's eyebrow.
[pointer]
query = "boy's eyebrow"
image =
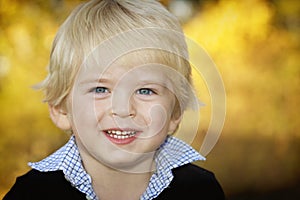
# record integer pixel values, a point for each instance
(94, 80)
(104, 80)
(154, 82)
(163, 83)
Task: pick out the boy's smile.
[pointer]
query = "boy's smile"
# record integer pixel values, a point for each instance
(118, 136)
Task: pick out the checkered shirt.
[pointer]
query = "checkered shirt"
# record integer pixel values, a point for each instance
(171, 154)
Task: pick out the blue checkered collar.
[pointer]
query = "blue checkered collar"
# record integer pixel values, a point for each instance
(171, 154)
(68, 160)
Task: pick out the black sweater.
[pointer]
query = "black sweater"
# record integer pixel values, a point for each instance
(190, 182)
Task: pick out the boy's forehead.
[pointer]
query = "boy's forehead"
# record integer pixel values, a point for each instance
(135, 60)
(130, 70)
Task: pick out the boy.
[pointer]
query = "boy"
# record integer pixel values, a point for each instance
(119, 82)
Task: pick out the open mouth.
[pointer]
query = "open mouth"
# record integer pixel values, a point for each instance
(119, 134)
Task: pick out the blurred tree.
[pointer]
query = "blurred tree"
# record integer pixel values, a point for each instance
(255, 44)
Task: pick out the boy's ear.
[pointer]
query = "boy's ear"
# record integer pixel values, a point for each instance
(60, 117)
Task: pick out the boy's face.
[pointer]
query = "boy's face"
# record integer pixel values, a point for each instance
(122, 114)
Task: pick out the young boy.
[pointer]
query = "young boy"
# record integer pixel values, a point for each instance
(119, 82)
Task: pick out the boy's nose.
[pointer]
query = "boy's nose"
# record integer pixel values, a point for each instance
(122, 112)
(123, 106)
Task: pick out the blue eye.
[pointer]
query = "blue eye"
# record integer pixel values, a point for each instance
(100, 90)
(145, 91)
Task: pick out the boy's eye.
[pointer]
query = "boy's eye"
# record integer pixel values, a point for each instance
(99, 90)
(145, 91)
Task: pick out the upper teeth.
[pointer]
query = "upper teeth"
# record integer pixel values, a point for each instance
(120, 134)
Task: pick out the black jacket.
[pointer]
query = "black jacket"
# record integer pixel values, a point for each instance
(190, 182)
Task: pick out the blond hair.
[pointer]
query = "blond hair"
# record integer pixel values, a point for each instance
(95, 22)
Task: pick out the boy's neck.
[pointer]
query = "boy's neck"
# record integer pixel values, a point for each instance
(110, 184)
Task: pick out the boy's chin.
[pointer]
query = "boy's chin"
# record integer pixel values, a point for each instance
(131, 163)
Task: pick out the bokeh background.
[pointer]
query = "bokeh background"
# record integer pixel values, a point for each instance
(255, 45)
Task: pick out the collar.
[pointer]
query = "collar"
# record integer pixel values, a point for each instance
(171, 154)
(68, 160)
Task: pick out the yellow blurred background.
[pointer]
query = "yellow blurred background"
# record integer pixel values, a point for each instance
(255, 45)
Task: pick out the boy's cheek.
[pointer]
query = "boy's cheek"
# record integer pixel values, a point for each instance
(82, 113)
(158, 119)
